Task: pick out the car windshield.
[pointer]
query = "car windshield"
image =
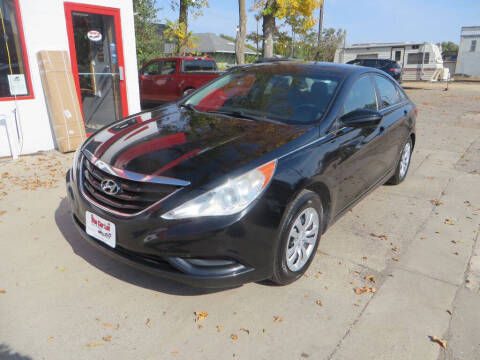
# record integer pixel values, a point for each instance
(291, 94)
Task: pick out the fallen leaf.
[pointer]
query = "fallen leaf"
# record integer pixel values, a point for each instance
(441, 342)
(200, 326)
(219, 328)
(200, 315)
(3, 291)
(395, 259)
(175, 352)
(50, 339)
(304, 355)
(365, 289)
(277, 318)
(148, 322)
(2, 212)
(448, 222)
(107, 325)
(395, 249)
(456, 252)
(370, 278)
(107, 338)
(453, 242)
(382, 236)
(319, 302)
(449, 312)
(234, 336)
(95, 344)
(245, 330)
(435, 202)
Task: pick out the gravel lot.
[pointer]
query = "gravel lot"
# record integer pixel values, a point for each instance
(414, 246)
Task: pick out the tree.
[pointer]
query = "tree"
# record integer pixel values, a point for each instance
(241, 33)
(148, 39)
(297, 13)
(448, 46)
(178, 31)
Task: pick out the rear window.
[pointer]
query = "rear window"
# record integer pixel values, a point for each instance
(199, 65)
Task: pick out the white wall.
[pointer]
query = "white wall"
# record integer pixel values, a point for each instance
(468, 62)
(44, 28)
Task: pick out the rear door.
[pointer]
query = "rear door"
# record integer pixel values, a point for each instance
(395, 110)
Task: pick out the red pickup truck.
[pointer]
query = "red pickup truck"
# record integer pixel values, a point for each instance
(168, 79)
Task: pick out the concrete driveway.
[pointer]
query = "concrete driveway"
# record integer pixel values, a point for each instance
(413, 246)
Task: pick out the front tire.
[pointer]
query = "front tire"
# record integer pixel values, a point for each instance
(403, 164)
(299, 237)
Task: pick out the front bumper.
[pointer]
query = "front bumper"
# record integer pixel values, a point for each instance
(177, 250)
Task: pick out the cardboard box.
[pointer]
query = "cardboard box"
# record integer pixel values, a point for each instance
(62, 100)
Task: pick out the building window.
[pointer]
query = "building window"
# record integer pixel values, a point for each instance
(473, 45)
(14, 72)
(398, 55)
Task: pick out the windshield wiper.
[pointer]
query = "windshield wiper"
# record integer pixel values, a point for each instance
(241, 114)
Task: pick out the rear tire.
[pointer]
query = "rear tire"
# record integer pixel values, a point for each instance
(403, 164)
(299, 238)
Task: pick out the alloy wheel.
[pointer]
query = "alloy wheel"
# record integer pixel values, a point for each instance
(302, 239)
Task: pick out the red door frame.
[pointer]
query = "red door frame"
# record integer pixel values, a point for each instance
(101, 10)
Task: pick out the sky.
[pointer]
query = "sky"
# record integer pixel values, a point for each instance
(365, 20)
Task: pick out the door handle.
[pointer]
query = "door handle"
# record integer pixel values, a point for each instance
(122, 75)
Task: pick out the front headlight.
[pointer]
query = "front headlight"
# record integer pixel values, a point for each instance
(227, 199)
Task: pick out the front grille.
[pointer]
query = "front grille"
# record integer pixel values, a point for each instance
(133, 197)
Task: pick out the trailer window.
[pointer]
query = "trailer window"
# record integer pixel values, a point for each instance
(14, 73)
(426, 58)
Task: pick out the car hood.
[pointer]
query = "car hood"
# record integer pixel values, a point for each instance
(172, 142)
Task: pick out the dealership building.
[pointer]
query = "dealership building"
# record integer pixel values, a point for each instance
(96, 41)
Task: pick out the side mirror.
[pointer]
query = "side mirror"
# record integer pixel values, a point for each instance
(362, 118)
(188, 92)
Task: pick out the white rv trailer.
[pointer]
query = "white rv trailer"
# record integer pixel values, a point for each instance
(419, 61)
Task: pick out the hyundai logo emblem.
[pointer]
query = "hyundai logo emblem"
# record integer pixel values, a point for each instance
(110, 187)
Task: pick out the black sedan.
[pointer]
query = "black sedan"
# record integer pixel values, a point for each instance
(238, 181)
(391, 67)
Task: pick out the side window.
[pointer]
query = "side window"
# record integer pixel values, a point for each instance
(361, 96)
(151, 69)
(207, 65)
(168, 67)
(388, 94)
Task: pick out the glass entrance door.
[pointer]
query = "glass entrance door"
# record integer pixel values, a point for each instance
(97, 62)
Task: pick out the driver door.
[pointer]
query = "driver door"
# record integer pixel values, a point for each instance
(359, 166)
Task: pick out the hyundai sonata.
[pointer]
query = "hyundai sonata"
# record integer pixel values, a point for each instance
(237, 181)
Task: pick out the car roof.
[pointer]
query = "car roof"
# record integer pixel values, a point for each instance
(341, 70)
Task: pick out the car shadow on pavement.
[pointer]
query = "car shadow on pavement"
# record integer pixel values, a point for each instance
(103, 262)
(7, 354)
